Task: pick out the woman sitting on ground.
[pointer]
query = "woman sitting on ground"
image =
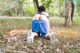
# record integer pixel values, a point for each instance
(40, 23)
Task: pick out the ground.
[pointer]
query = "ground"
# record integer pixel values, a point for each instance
(69, 37)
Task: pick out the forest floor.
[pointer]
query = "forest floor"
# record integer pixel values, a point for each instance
(69, 42)
(68, 37)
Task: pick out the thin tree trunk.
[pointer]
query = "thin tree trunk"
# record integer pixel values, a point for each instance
(15, 9)
(36, 5)
(72, 11)
(20, 7)
(67, 14)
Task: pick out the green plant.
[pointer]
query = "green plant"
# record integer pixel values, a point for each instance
(1, 36)
(29, 11)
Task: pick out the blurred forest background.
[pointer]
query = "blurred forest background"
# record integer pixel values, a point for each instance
(28, 7)
(58, 8)
(15, 21)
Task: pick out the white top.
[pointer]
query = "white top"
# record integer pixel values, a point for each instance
(42, 16)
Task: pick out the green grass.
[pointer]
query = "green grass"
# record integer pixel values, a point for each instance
(56, 21)
(10, 24)
(76, 21)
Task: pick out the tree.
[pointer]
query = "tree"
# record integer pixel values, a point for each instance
(67, 13)
(36, 5)
(21, 2)
(46, 3)
(72, 10)
(15, 8)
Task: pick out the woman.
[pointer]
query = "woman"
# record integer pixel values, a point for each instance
(40, 23)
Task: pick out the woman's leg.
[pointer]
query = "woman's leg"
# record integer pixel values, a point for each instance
(38, 34)
(43, 35)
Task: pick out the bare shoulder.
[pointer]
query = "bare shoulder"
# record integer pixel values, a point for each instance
(36, 17)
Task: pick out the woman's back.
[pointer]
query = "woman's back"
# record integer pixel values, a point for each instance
(42, 16)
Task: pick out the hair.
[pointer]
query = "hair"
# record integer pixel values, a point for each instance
(41, 9)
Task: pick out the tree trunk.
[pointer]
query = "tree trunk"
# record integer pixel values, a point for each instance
(67, 14)
(36, 5)
(72, 11)
(21, 8)
(15, 8)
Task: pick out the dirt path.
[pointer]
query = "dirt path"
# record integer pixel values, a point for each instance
(16, 17)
